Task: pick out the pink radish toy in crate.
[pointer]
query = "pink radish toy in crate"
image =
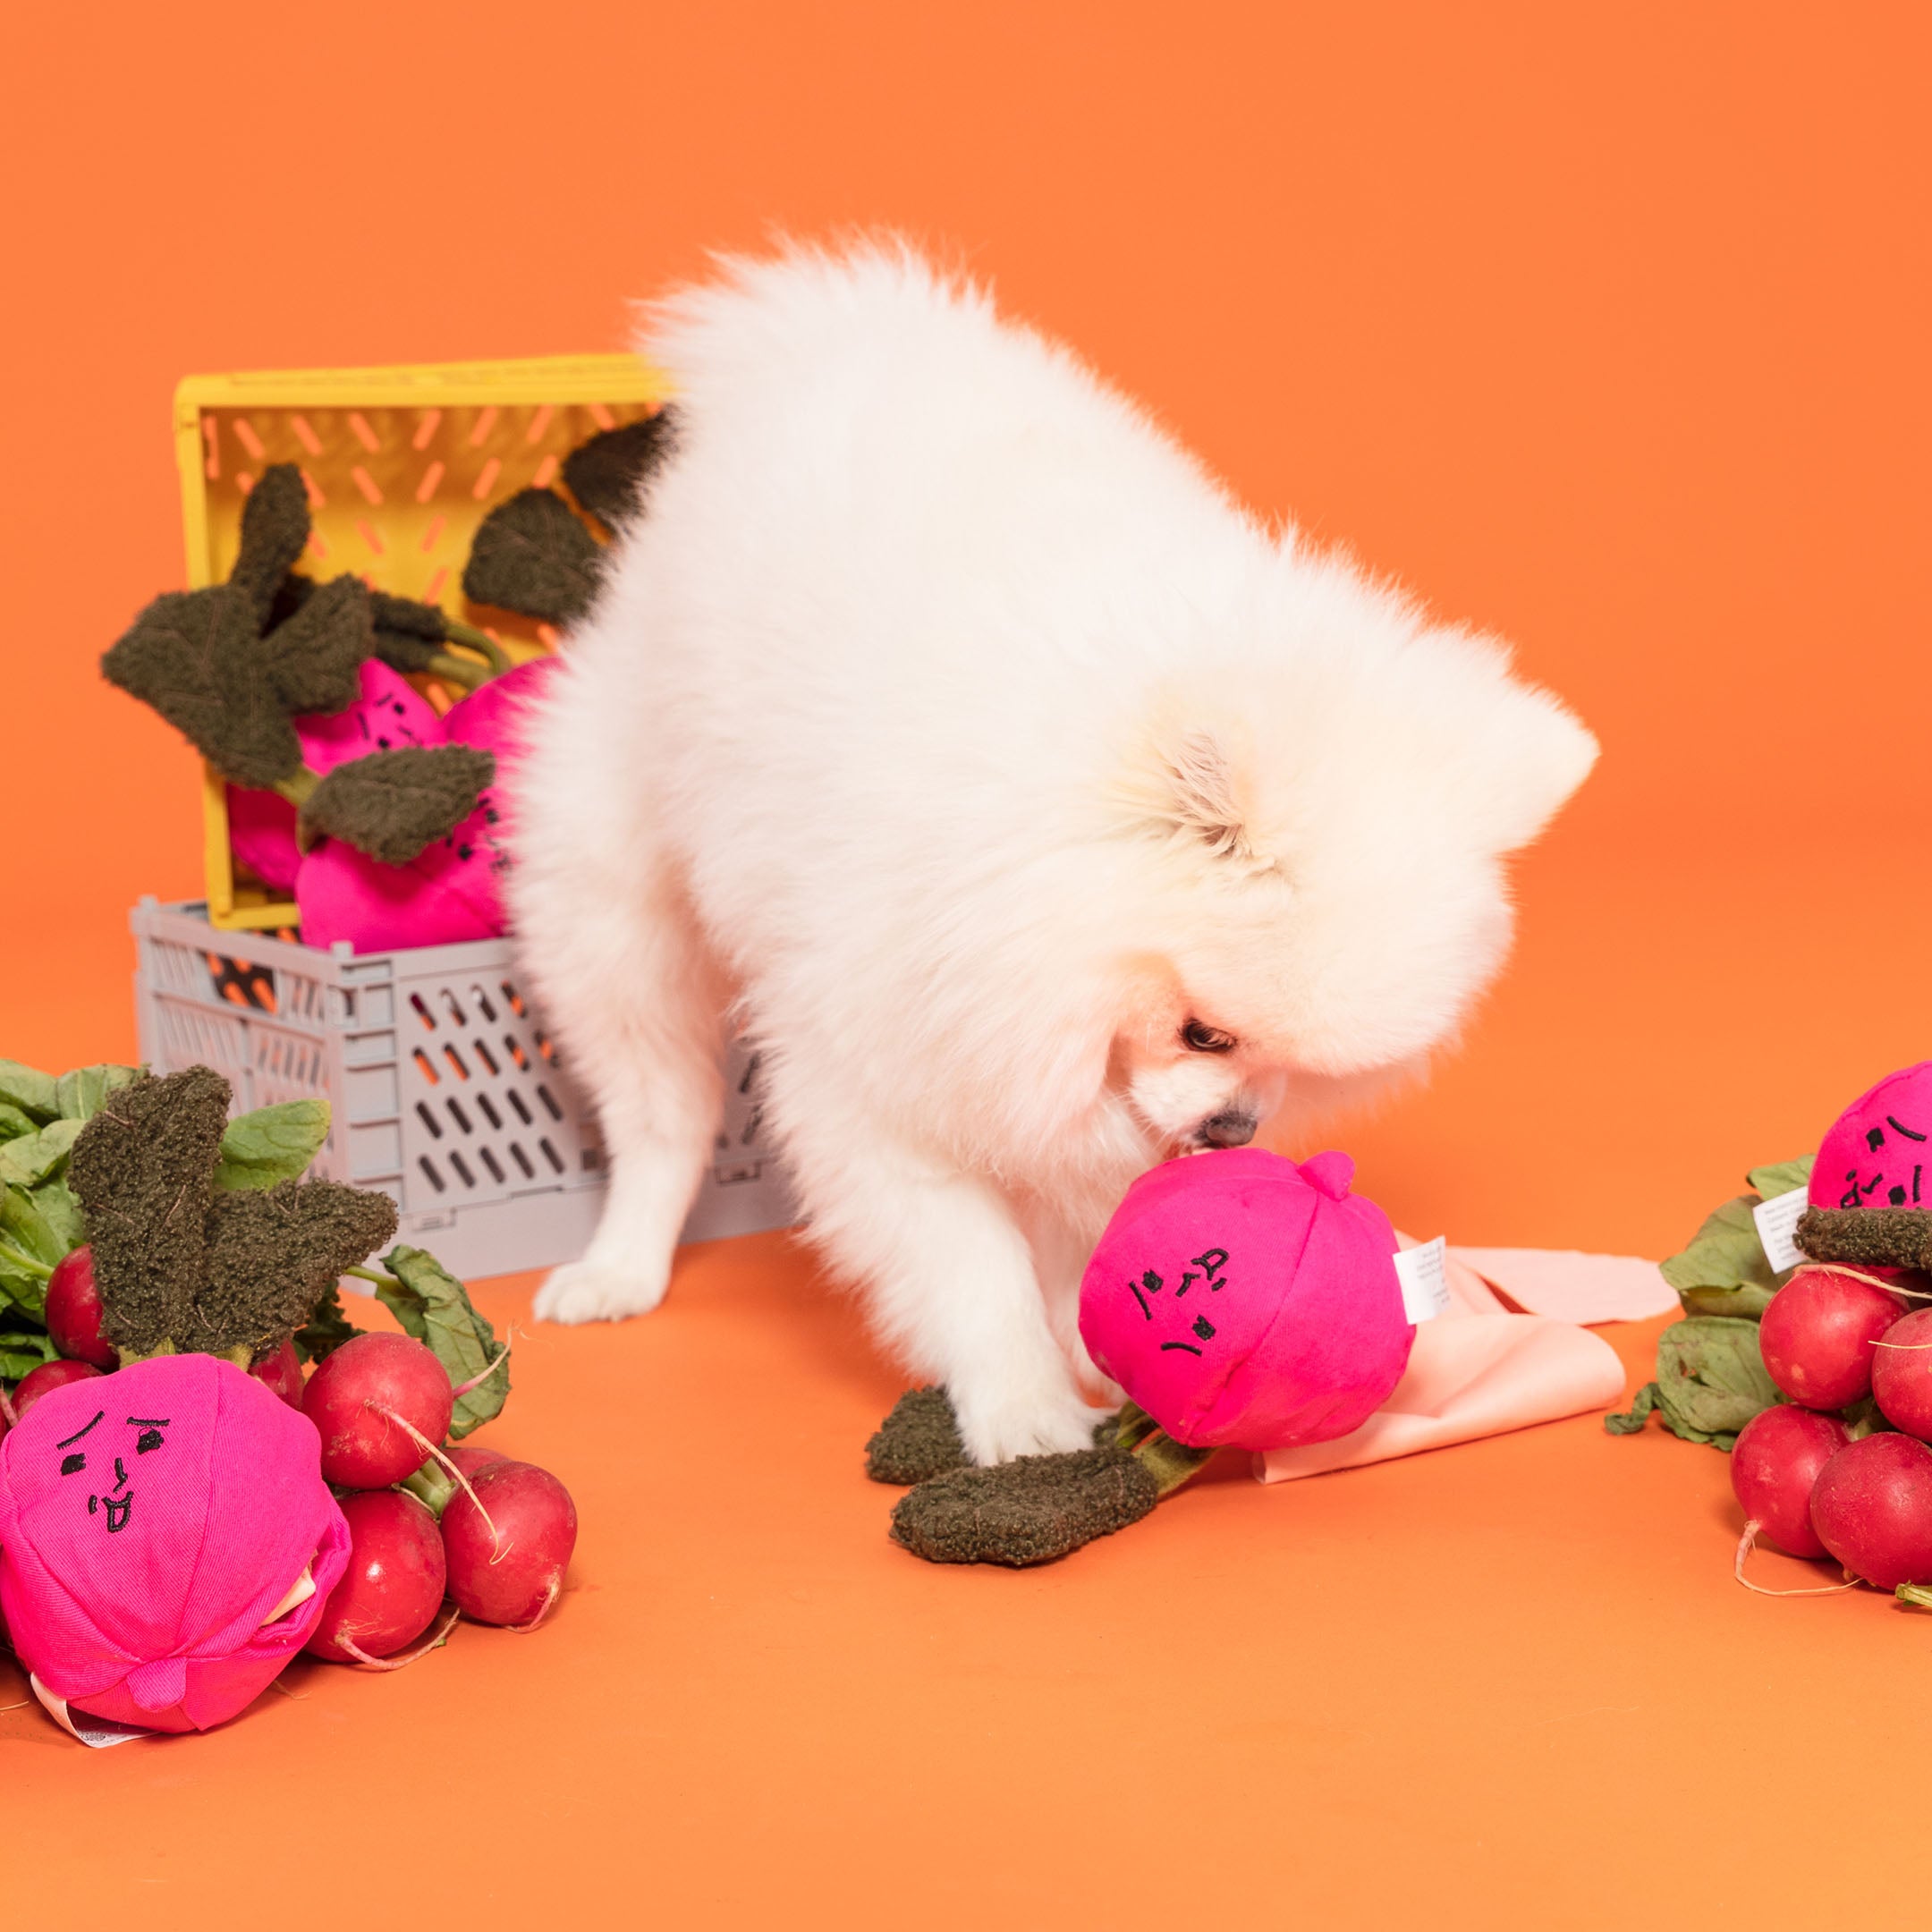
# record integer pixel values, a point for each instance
(451, 892)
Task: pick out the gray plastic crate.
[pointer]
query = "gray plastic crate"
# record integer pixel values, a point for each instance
(446, 1092)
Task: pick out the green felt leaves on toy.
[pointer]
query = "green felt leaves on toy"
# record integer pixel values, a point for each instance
(531, 555)
(143, 1171)
(435, 1308)
(273, 1144)
(273, 1253)
(315, 657)
(606, 474)
(195, 656)
(274, 531)
(391, 804)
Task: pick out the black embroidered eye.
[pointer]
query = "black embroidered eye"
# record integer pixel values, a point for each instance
(1198, 1037)
(72, 1465)
(149, 1438)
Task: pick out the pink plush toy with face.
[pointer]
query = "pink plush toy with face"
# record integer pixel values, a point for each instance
(167, 1541)
(1245, 1301)
(1878, 1152)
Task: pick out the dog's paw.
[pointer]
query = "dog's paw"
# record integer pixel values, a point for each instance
(589, 1291)
(1037, 1424)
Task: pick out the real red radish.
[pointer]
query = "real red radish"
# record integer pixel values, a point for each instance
(45, 1379)
(470, 1457)
(1817, 1333)
(1774, 1467)
(381, 1403)
(1872, 1509)
(515, 1576)
(1901, 1373)
(282, 1372)
(392, 1586)
(73, 1312)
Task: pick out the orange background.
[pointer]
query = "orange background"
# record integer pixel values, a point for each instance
(1603, 325)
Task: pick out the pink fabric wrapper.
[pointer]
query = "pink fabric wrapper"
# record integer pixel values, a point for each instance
(1878, 1152)
(1478, 1370)
(150, 1521)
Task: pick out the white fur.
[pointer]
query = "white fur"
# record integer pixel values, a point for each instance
(946, 726)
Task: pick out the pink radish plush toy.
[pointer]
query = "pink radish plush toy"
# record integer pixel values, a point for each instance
(1240, 1300)
(167, 1541)
(1878, 1152)
(451, 893)
(1246, 1302)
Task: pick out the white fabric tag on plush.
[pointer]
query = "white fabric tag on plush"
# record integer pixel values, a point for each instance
(1777, 1221)
(97, 1732)
(1425, 1279)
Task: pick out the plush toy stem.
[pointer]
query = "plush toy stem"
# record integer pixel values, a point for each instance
(297, 788)
(1172, 1462)
(480, 641)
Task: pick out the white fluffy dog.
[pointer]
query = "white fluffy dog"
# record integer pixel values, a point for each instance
(1038, 812)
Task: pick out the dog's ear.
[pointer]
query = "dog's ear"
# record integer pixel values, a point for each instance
(1536, 754)
(1187, 786)
(1509, 752)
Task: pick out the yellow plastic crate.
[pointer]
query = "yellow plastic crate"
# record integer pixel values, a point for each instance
(402, 465)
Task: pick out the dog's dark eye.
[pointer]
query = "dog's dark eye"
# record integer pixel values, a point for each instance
(1199, 1037)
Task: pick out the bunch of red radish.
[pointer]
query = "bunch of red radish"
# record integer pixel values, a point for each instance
(497, 1549)
(1832, 1337)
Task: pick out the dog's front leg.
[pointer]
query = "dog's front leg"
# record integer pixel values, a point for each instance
(951, 1283)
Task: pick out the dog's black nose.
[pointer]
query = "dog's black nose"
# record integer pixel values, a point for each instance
(1229, 1129)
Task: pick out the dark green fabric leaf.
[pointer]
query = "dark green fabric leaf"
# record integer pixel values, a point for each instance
(327, 1329)
(274, 531)
(1723, 1271)
(195, 656)
(531, 555)
(606, 475)
(61, 1212)
(272, 1144)
(434, 1306)
(29, 1089)
(314, 658)
(31, 1159)
(1780, 1177)
(1711, 1378)
(391, 804)
(79, 1095)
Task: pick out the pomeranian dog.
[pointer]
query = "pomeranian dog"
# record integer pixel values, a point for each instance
(1037, 812)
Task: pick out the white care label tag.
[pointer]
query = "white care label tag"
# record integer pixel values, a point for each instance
(1777, 1221)
(1424, 1275)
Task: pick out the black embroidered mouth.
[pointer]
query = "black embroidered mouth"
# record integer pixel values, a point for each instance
(117, 1512)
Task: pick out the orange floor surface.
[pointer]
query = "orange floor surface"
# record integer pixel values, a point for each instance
(1602, 326)
(1508, 1684)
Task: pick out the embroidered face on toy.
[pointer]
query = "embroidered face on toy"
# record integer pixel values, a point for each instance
(1878, 1152)
(100, 1450)
(154, 1528)
(1242, 1300)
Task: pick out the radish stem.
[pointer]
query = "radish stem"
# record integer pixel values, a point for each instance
(428, 1448)
(1748, 1541)
(399, 1662)
(463, 1388)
